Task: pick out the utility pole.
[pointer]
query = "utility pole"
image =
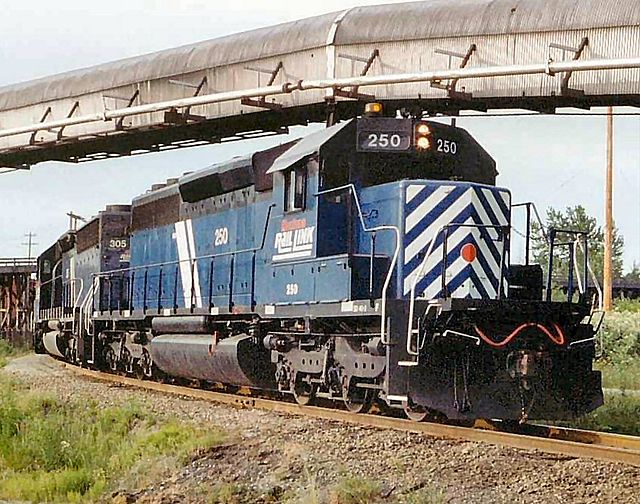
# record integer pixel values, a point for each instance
(73, 221)
(29, 243)
(608, 219)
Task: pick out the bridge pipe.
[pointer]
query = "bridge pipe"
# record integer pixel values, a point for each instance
(551, 68)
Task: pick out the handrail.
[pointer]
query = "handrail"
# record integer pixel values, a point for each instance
(594, 278)
(192, 261)
(530, 205)
(209, 256)
(420, 275)
(581, 237)
(394, 260)
(89, 297)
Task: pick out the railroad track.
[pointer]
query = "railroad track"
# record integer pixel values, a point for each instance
(556, 440)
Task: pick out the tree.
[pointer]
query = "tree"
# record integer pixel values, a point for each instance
(634, 274)
(575, 219)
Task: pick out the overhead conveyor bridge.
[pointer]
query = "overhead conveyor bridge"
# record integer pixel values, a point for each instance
(439, 56)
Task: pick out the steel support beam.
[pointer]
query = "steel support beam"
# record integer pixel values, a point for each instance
(549, 68)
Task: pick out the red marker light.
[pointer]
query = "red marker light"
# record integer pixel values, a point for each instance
(469, 252)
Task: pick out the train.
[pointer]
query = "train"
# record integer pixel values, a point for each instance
(368, 262)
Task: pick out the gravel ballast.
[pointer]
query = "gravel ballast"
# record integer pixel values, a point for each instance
(272, 457)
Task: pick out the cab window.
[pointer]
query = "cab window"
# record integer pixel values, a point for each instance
(295, 189)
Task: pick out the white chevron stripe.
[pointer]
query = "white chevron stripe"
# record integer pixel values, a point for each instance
(483, 247)
(446, 217)
(484, 217)
(436, 197)
(456, 267)
(436, 255)
(486, 283)
(412, 191)
(490, 195)
(453, 270)
(506, 197)
(421, 242)
(458, 264)
(424, 238)
(465, 290)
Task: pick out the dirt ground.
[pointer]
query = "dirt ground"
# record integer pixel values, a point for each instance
(271, 457)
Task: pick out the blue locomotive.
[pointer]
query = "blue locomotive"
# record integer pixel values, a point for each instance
(369, 261)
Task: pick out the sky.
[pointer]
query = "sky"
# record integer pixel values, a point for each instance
(552, 161)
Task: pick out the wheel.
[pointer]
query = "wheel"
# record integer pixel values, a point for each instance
(303, 391)
(145, 365)
(111, 359)
(356, 400)
(71, 354)
(126, 362)
(415, 412)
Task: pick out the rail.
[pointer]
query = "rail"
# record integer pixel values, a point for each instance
(557, 440)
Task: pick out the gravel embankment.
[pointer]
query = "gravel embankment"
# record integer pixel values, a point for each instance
(272, 455)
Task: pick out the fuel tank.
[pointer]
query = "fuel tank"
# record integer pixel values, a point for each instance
(237, 360)
(182, 325)
(54, 343)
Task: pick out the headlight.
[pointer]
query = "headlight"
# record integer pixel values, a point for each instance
(423, 129)
(422, 136)
(423, 143)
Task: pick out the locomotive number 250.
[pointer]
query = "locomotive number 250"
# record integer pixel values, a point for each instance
(384, 140)
(447, 146)
(221, 236)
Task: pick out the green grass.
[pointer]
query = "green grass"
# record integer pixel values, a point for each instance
(428, 495)
(7, 352)
(351, 490)
(628, 305)
(621, 376)
(53, 451)
(620, 360)
(620, 414)
(620, 367)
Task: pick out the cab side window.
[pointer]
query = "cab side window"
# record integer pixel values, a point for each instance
(295, 189)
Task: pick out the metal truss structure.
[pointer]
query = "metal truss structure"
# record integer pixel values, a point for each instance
(16, 298)
(491, 54)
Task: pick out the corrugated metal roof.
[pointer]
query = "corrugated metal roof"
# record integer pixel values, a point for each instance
(447, 18)
(416, 20)
(246, 46)
(306, 147)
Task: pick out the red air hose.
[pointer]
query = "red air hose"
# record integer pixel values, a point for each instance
(558, 338)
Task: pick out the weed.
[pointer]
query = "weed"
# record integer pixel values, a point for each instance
(620, 361)
(427, 495)
(225, 493)
(621, 376)
(72, 451)
(355, 491)
(619, 414)
(8, 351)
(627, 305)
